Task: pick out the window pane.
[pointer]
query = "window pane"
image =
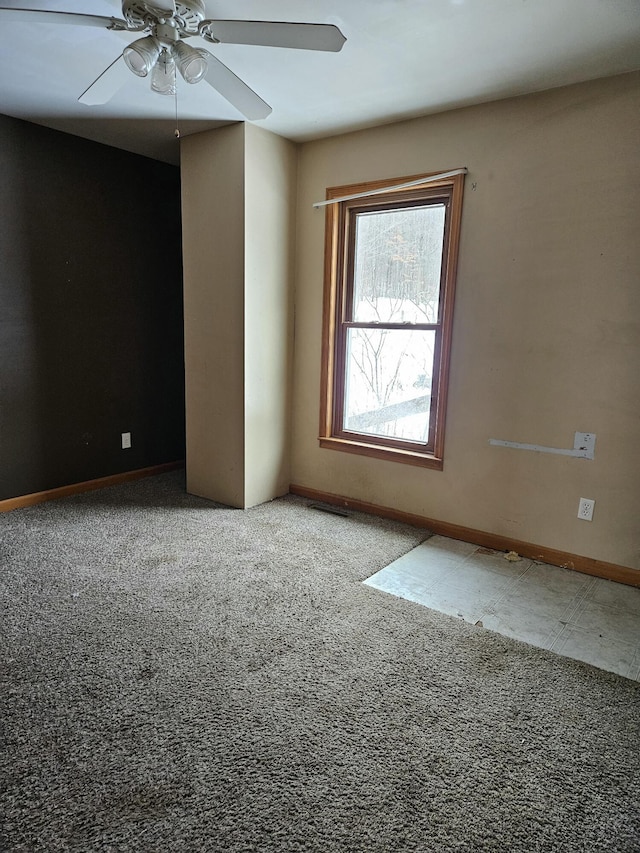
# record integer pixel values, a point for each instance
(398, 258)
(388, 382)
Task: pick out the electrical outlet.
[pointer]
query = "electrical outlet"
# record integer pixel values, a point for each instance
(126, 440)
(585, 509)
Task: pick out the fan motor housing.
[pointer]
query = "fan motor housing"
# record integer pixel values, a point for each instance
(188, 15)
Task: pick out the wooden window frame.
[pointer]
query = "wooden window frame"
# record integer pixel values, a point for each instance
(338, 286)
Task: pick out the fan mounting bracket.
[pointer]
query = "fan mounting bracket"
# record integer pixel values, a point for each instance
(205, 32)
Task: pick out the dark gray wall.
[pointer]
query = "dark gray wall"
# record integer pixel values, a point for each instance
(91, 324)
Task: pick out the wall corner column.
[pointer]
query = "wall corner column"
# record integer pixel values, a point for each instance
(238, 205)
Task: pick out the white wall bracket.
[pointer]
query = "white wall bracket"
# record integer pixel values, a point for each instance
(584, 445)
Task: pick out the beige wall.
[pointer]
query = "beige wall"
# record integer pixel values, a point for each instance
(238, 200)
(270, 197)
(212, 170)
(547, 317)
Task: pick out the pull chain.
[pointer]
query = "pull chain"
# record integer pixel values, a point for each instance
(177, 130)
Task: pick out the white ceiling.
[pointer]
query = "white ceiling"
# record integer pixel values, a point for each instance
(403, 58)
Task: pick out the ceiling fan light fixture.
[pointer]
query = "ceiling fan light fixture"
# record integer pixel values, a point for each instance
(163, 76)
(191, 62)
(141, 56)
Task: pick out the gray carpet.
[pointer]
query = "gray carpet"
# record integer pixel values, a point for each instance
(179, 676)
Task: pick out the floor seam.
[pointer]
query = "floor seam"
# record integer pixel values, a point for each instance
(544, 630)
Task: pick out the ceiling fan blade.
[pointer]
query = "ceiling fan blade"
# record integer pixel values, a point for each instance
(274, 34)
(223, 80)
(105, 86)
(41, 16)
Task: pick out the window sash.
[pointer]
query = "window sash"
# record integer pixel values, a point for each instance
(340, 391)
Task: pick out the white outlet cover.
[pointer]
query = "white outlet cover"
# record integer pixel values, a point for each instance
(585, 509)
(126, 440)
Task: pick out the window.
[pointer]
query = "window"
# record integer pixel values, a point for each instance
(389, 286)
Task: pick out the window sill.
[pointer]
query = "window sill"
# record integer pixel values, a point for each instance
(391, 454)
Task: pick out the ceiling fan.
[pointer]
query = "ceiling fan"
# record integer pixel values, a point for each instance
(164, 27)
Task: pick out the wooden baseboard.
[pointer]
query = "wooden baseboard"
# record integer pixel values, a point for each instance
(87, 486)
(586, 565)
